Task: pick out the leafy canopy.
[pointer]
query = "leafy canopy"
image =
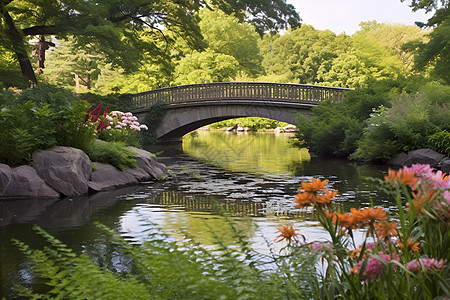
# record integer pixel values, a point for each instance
(116, 28)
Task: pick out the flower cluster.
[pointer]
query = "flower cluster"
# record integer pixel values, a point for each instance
(96, 119)
(114, 120)
(430, 189)
(427, 264)
(414, 242)
(120, 120)
(314, 193)
(374, 266)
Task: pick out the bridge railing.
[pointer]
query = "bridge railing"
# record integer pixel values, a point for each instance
(283, 92)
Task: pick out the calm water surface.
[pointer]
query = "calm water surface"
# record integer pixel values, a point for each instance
(253, 176)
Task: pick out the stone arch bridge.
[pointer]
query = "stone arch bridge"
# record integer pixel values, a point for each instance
(192, 106)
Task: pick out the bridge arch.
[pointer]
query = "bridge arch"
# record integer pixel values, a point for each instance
(192, 106)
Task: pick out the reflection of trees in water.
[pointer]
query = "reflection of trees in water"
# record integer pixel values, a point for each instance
(201, 203)
(235, 207)
(250, 153)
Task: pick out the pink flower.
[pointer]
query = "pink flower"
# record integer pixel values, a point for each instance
(116, 113)
(427, 263)
(146, 128)
(128, 114)
(446, 196)
(315, 247)
(374, 268)
(414, 266)
(118, 127)
(422, 171)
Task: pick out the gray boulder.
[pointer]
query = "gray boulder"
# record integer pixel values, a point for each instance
(107, 177)
(419, 156)
(445, 167)
(65, 169)
(23, 181)
(147, 162)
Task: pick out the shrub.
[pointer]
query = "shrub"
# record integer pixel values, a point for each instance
(153, 119)
(440, 142)
(114, 153)
(404, 127)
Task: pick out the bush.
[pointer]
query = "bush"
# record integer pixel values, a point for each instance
(440, 142)
(336, 127)
(114, 153)
(113, 101)
(40, 118)
(404, 127)
(153, 119)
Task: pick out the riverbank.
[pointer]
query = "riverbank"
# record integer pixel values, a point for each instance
(67, 172)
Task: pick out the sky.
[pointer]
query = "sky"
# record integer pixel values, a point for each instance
(346, 15)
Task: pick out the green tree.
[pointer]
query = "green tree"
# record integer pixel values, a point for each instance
(204, 67)
(72, 67)
(394, 37)
(113, 27)
(224, 34)
(298, 53)
(436, 52)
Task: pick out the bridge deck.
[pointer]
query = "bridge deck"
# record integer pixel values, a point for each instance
(280, 92)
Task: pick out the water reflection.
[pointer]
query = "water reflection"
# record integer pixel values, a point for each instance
(252, 153)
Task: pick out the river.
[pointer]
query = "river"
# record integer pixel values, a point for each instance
(253, 176)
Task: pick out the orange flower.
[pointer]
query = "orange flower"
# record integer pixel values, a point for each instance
(315, 185)
(373, 214)
(307, 198)
(287, 233)
(386, 229)
(331, 215)
(304, 199)
(405, 175)
(412, 247)
(347, 220)
(357, 216)
(421, 197)
(354, 270)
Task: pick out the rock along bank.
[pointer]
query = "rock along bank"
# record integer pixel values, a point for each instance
(65, 171)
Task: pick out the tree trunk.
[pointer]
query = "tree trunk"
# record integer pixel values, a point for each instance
(77, 83)
(18, 45)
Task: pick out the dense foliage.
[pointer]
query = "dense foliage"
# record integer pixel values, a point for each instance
(122, 32)
(38, 119)
(47, 116)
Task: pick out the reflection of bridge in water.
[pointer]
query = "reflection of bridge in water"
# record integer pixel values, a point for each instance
(192, 106)
(235, 207)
